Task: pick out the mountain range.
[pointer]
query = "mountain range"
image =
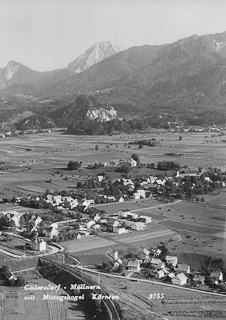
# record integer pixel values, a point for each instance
(185, 78)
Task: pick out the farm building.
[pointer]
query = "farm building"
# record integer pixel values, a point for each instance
(217, 275)
(123, 213)
(119, 230)
(51, 232)
(140, 194)
(157, 263)
(161, 274)
(172, 260)
(38, 244)
(146, 253)
(134, 265)
(145, 219)
(113, 222)
(132, 215)
(199, 279)
(183, 267)
(138, 226)
(180, 279)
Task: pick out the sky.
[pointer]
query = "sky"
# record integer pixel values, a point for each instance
(49, 34)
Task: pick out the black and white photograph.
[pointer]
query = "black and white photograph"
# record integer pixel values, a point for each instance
(112, 159)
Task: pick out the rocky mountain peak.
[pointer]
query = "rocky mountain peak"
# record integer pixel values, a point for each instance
(98, 52)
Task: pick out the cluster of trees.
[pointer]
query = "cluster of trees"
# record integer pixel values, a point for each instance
(9, 280)
(65, 236)
(74, 165)
(5, 222)
(151, 143)
(167, 165)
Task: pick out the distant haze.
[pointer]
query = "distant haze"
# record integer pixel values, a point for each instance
(49, 34)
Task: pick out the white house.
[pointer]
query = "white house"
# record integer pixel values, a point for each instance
(57, 200)
(100, 178)
(140, 194)
(180, 279)
(121, 199)
(133, 163)
(161, 274)
(119, 230)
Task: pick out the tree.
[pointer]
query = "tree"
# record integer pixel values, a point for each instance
(96, 147)
(4, 272)
(180, 137)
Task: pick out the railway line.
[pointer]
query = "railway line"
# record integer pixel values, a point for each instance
(90, 282)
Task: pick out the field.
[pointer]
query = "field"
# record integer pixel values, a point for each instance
(29, 172)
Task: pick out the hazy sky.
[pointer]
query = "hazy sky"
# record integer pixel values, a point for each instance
(49, 34)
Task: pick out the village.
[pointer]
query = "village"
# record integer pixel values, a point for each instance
(73, 215)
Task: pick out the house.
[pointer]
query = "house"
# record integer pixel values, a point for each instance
(133, 163)
(111, 199)
(121, 199)
(123, 213)
(96, 218)
(161, 274)
(217, 275)
(134, 265)
(37, 221)
(119, 230)
(138, 226)
(145, 219)
(183, 268)
(132, 215)
(157, 263)
(172, 260)
(16, 219)
(157, 252)
(199, 279)
(90, 223)
(100, 178)
(146, 252)
(51, 232)
(180, 279)
(139, 194)
(112, 223)
(57, 200)
(38, 244)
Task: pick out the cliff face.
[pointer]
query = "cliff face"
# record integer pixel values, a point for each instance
(102, 114)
